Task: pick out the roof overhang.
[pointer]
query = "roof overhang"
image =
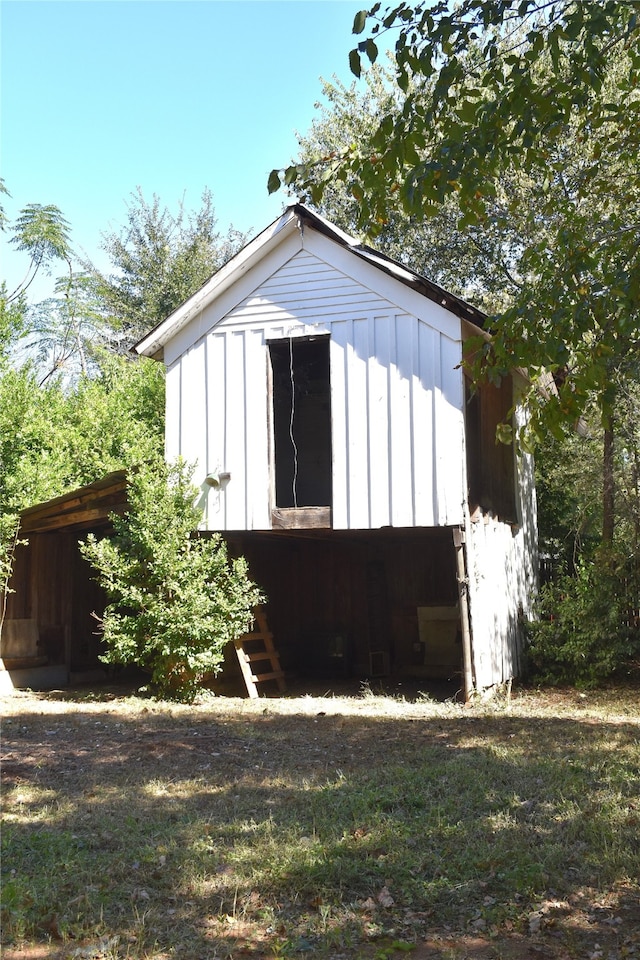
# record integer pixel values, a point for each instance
(295, 218)
(87, 507)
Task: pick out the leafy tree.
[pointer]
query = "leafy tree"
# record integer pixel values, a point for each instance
(489, 92)
(587, 630)
(29, 424)
(176, 599)
(69, 412)
(53, 440)
(159, 259)
(42, 233)
(588, 626)
(476, 262)
(112, 421)
(60, 335)
(569, 472)
(516, 123)
(63, 336)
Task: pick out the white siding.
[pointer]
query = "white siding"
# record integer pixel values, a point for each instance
(193, 419)
(425, 430)
(237, 430)
(173, 402)
(216, 427)
(387, 393)
(449, 465)
(379, 422)
(503, 578)
(396, 398)
(257, 453)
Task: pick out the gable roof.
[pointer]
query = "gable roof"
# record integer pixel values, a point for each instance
(296, 217)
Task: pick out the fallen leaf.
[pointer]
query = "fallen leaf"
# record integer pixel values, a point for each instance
(384, 898)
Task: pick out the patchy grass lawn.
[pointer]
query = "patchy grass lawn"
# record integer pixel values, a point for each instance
(333, 827)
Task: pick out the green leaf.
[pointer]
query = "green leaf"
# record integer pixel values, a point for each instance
(467, 111)
(504, 433)
(359, 21)
(274, 183)
(354, 63)
(372, 51)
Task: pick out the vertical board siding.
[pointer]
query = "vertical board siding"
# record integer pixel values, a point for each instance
(173, 406)
(496, 553)
(216, 429)
(396, 400)
(257, 432)
(356, 372)
(401, 436)
(339, 436)
(237, 428)
(390, 434)
(193, 419)
(378, 422)
(235, 411)
(449, 424)
(424, 432)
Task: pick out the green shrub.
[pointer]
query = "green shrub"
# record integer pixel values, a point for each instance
(587, 628)
(176, 599)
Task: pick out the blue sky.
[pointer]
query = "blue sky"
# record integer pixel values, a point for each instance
(98, 98)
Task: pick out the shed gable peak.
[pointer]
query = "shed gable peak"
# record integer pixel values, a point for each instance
(299, 228)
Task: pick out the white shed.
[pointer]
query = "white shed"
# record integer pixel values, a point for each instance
(317, 386)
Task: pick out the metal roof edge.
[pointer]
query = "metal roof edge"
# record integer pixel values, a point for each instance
(394, 268)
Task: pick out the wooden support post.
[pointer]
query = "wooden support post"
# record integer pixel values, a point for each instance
(463, 597)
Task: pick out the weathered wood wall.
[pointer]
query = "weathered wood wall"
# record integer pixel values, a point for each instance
(364, 589)
(54, 586)
(42, 584)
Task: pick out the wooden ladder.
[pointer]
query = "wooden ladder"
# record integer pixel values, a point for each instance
(256, 648)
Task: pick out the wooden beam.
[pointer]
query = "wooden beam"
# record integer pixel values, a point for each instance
(463, 598)
(107, 495)
(301, 518)
(78, 519)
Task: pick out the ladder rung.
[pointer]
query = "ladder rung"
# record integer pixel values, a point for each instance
(268, 655)
(275, 675)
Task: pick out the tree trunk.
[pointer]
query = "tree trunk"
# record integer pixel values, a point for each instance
(607, 486)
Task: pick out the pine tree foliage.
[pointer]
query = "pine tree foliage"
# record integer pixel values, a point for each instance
(157, 260)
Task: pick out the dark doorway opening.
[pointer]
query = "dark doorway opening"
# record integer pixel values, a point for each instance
(301, 398)
(490, 465)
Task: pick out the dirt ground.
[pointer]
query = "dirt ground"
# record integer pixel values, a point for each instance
(65, 735)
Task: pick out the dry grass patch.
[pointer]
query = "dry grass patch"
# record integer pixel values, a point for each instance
(352, 827)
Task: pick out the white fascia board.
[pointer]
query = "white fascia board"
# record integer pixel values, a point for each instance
(220, 305)
(153, 343)
(385, 285)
